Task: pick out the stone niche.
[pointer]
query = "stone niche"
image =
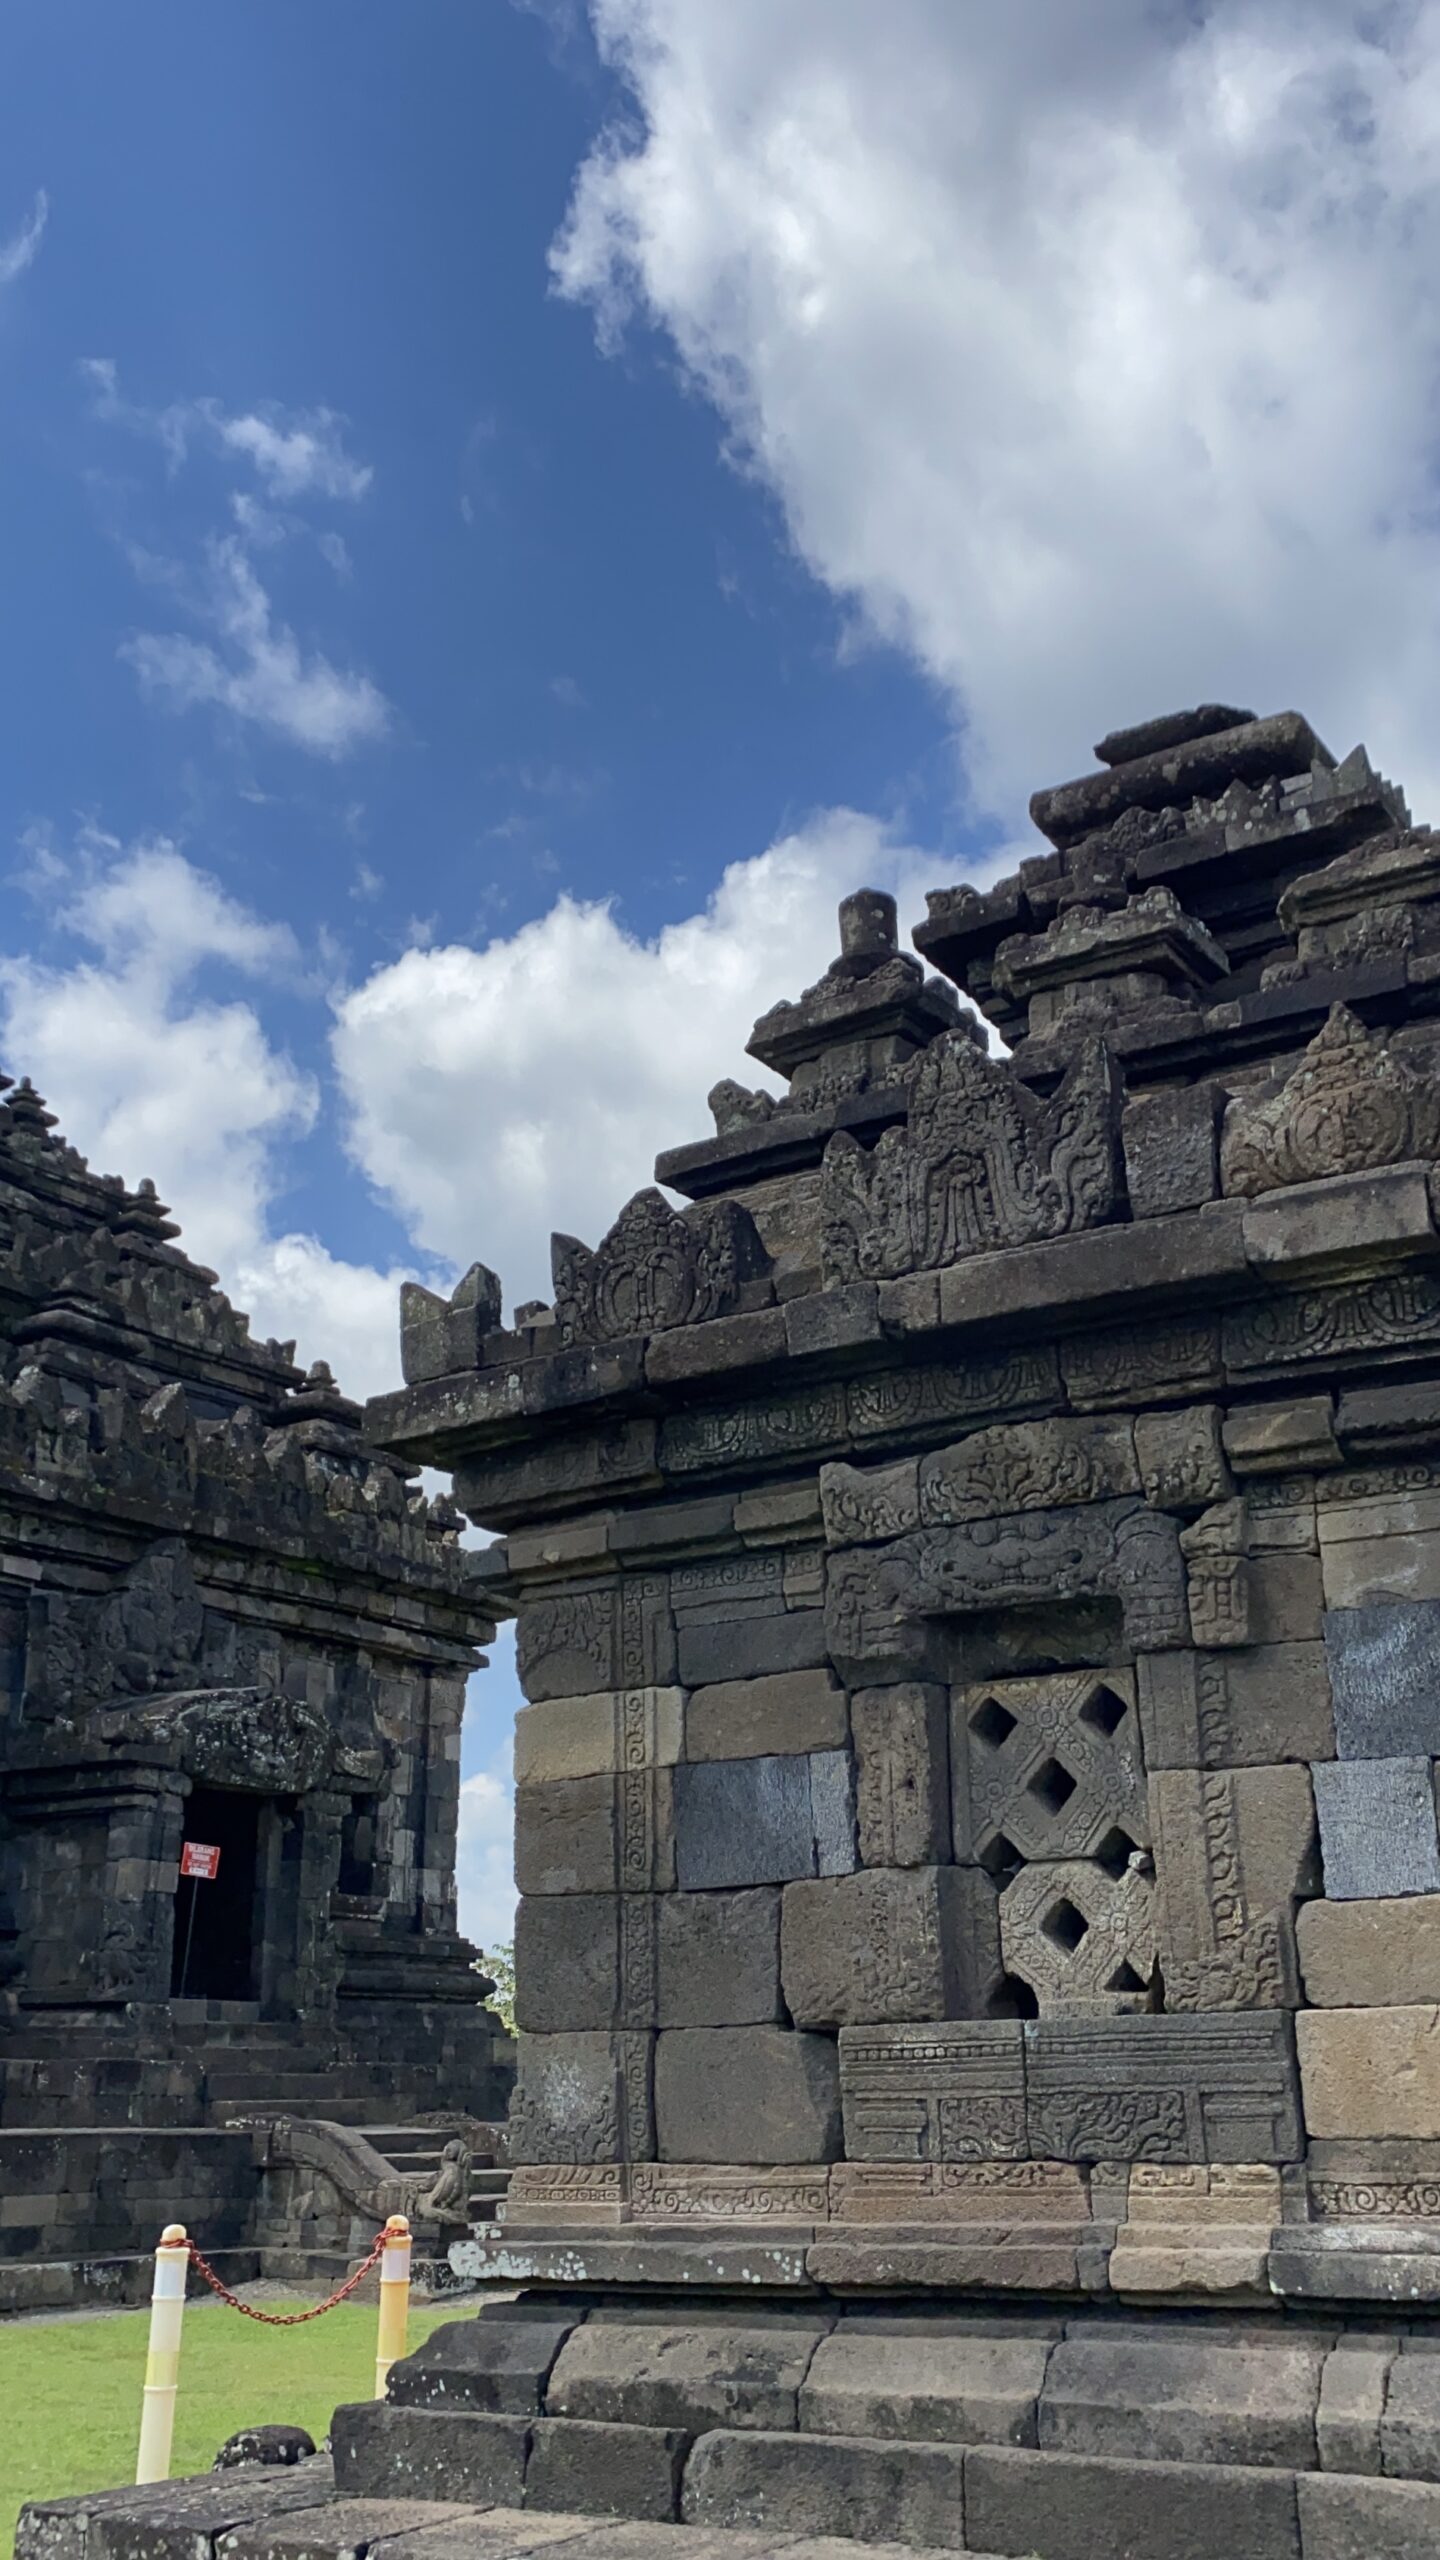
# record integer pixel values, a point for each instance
(977, 1568)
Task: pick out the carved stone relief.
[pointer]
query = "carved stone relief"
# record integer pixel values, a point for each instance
(657, 1267)
(1350, 1106)
(978, 1164)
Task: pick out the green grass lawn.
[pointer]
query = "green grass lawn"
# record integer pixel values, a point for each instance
(70, 2390)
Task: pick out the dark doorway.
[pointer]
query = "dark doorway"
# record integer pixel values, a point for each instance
(214, 1959)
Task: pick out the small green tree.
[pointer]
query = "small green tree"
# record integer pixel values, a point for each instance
(499, 1967)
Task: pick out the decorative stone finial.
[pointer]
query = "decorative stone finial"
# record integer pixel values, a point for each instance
(869, 931)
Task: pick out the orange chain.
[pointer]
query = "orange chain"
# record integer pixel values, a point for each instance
(283, 2319)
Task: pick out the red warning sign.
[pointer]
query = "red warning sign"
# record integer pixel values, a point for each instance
(198, 1858)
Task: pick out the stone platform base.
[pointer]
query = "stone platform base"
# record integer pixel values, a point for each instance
(1053, 2507)
(1001, 2428)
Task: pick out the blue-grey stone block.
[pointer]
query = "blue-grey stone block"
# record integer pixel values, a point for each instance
(1377, 1828)
(767, 1821)
(832, 1812)
(1384, 1662)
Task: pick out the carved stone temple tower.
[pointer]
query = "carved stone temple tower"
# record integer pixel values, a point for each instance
(226, 1619)
(978, 1579)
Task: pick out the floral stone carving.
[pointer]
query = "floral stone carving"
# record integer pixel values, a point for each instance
(1350, 1106)
(657, 1267)
(978, 1164)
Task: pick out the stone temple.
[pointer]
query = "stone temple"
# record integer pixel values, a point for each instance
(226, 1618)
(977, 1571)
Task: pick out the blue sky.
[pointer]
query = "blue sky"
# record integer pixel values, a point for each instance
(508, 512)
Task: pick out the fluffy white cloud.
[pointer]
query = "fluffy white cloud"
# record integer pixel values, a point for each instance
(258, 672)
(1093, 352)
(150, 1077)
(485, 1866)
(249, 664)
(498, 1093)
(294, 453)
(19, 251)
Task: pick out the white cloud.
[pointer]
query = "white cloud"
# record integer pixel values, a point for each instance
(499, 1092)
(148, 1076)
(294, 453)
(1094, 353)
(19, 251)
(258, 672)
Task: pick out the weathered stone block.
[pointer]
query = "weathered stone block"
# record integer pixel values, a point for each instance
(889, 1943)
(384, 2451)
(566, 1836)
(1196, 2230)
(758, 2094)
(1410, 2421)
(1216, 2088)
(664, 2374)
(1028, 1466)
(1171, 1157)
(1384, 1664)
(1287, 1599)
(497, 2366)
(1248, 1708)
(1370, 2071)
(902, 1752)
(791, 1712)
(567, 1962)
(1075, 2506)
(1352, 2403)
(583, 2099)
(1159, 2399)
(810, 2484)
(582, 1737)
(1182, 1464)
(580, 2466)
(1233, 1849)
(179, 2519)
(346, 2529)
(1344, 2519)
(1281, 1439)
(1377, 1828)
(1380, 1548)
(766, 1821)
(1079, 1937)
(751, 1648)
(944, 2092)
(1370, 1955)
(943, 2388)
(719, 1958)
(864, 1506)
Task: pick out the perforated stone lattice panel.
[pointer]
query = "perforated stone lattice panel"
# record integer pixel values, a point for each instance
(1049, 1767)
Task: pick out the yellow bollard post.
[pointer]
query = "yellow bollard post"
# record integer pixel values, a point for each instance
(394, 2299)
(162, 2361)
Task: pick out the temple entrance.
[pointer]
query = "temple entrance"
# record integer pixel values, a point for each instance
(214, 1946)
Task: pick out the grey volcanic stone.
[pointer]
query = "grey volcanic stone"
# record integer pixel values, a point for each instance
(578, 2464)
(1162, 2400)
(1075, 2506)
(933, 2385)
(498, 2366)
(382, 2451)
(1410, 2424)
(1344, 2519)
(753, 1719)
(1377, 1828)
(751, 1648)
(565, 1836)
(567, 1962)
(747, 1822)
(851, 2485)
(761, 2095)
(653, 2375)
(1385, 1675)
(720, 1958)
(178, 2516)
(889, 1944)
